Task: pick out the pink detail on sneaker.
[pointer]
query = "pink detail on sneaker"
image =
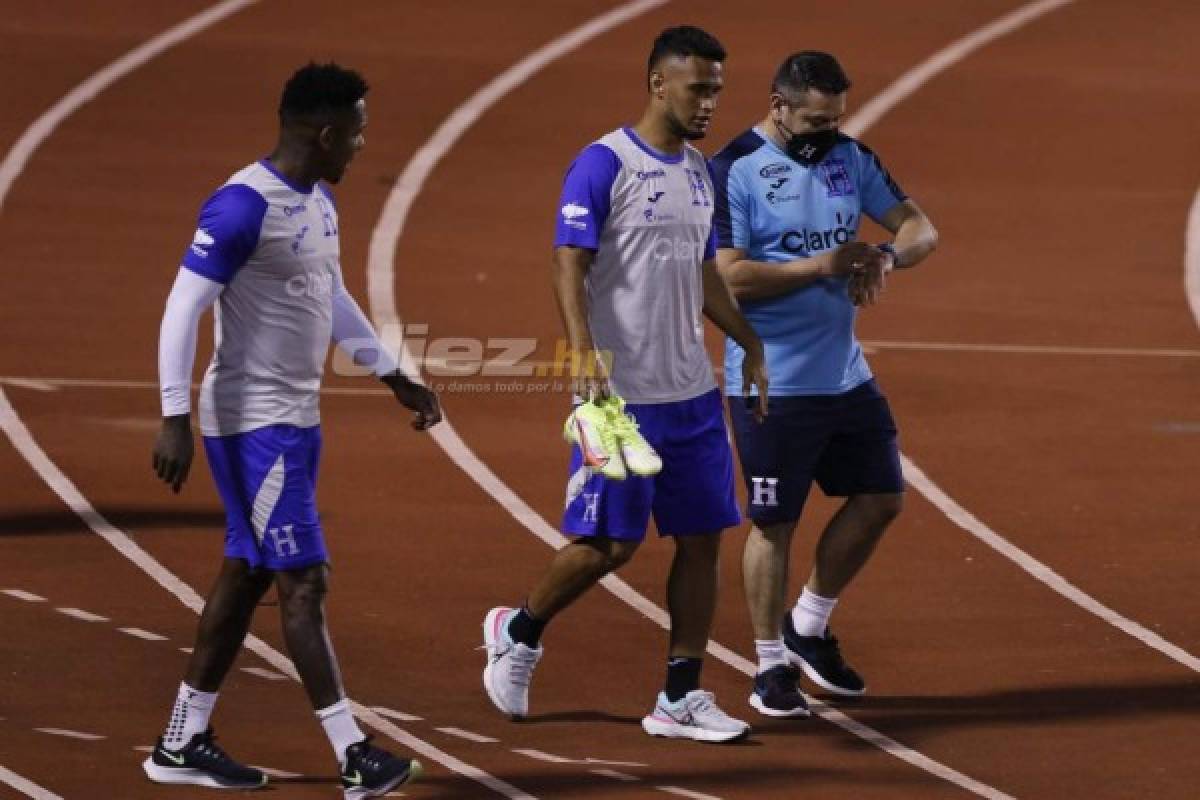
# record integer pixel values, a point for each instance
(590, 457)
(498, 625)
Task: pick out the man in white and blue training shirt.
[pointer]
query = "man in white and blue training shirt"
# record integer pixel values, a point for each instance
(634, 273)
(266, 252)
(791, 193)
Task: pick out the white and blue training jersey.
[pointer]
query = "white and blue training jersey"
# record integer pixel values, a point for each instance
(776, 210)
(648, 217)
(274, 246)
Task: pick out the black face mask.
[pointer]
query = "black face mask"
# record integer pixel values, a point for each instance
(808, 148)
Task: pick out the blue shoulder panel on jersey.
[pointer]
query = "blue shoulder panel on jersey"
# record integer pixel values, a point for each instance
(719, 167)
(227, 233)
(586, 197)
(325, 190)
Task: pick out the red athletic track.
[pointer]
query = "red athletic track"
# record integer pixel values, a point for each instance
(1058, 164)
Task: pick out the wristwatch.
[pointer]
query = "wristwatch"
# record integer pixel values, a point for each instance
(888, 247)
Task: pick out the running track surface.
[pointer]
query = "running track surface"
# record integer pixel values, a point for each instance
(1058, 163)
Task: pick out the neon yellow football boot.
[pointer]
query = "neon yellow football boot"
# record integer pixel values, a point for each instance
(590, 427)
(638, 455)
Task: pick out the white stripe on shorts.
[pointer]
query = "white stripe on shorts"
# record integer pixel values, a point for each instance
(267, 498)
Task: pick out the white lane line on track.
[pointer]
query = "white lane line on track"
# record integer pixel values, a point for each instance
(968, 522)
(21, 594)
(26, 786)
(686, 793)
(276, 773)
(615, 775)
(470, 736)
(31, 383)
(538, 755)
(80, 614)
(264, 673)
(139, 633)
(70, 734)
(12, 166)
(590, 760)
(381, 296)
(400, 716)
(1191, 259)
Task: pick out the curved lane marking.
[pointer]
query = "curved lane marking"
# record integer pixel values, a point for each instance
(12, 166)
(26, 786)
(1191, 259)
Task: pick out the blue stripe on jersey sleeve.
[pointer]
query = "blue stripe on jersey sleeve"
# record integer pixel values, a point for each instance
(227, 233)
(730, 217)
(586, 198)
(876, 187)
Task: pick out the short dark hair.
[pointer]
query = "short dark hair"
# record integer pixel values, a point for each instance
(684, 41)
(809, 69)
(317, 90)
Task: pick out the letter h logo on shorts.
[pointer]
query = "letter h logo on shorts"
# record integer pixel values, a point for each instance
(591, 506)
(285, 541)
(764, 492)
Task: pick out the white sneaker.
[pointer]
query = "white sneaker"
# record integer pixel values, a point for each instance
(509, 665)
(637, 453)
(589, 427)
(695, 716)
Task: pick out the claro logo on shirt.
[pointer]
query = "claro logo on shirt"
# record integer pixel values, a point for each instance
(201, 242)
(805, 240)
(571, 214)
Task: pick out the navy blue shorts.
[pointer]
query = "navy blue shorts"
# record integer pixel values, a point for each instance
(692, 495)
(846, 442)
(267, 479)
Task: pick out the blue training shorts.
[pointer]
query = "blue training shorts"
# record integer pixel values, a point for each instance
(267, 479)
(846, 442)
(692, 495)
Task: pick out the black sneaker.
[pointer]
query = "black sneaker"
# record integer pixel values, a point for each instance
(821, 660)
(777, 693)
(373, 772)
(200, 762)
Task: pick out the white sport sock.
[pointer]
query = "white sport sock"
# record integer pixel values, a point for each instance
(811, 614)
(189, 716)
(340, 727)
(771, 653)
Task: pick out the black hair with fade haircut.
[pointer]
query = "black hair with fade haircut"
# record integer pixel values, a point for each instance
(318, 90)
(809, 69)
(684, 41)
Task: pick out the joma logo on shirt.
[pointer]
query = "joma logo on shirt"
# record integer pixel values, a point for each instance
(201, 242)
(805, 240)
(571, 214)
(775, 170)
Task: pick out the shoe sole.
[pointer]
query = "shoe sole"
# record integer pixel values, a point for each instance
(415, 771)
(815, 677)
(673, 730)
(194, 777)
(489, 645)
(795, 713)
